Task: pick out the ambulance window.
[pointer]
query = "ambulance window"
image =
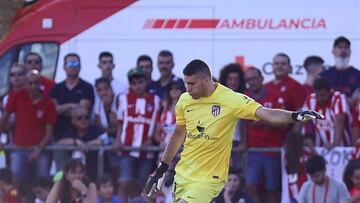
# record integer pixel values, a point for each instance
(5, 62)
(49, 53)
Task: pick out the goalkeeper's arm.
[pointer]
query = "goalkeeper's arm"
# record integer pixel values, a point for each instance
(280, 116)
(171, 150)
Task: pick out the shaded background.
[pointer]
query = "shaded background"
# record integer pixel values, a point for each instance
(7, 12)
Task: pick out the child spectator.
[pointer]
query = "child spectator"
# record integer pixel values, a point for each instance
(73, 186)
(352, 180)
(10, 194)
(232, 191)
(105, 189)
(84, 135)
(41, 188)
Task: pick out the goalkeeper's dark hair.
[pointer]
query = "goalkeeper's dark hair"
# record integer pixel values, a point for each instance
(315, 164)
(321, 84)
(197, 66)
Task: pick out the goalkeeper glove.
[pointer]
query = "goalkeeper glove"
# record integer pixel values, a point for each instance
(306, 115)
(154, 181)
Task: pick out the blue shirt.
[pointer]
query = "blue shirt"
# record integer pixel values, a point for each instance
(345, 81)
(114, 199)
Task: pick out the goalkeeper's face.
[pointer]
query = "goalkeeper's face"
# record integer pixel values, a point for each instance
(196, 85)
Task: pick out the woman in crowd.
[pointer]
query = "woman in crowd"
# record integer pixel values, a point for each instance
(73, 186)
(352, 180)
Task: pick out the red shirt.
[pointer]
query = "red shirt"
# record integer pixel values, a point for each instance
(46, 85)
(12, 196)
(355, 116)
(263, 135)
(139, 116)
(293, 92)
(31, 119)
(354, 191)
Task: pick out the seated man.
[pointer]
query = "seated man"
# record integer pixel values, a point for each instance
(84, 135)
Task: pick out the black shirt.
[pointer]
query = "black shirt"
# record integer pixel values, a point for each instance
(63, 95)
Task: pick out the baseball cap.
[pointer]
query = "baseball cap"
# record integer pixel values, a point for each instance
(135, 72)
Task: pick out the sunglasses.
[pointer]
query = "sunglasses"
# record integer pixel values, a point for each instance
(17, 74)
(33, 61)
(83, 117)
(72, 64)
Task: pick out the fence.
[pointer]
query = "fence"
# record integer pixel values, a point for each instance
(102, 149)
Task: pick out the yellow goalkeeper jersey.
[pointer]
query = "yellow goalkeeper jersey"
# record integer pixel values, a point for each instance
(210, 124)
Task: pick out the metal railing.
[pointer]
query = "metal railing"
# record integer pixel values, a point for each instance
(102, 149)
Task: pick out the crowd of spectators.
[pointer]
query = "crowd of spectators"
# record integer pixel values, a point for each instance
(140, 112)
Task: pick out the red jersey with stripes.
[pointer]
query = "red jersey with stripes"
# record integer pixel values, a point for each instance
(325, 129)
(138, 116)
(168, 122)
(355, 116)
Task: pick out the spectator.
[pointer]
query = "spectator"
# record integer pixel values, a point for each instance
(313, 65)
(146, 64)
(232, 191)
(298, 149)
(355, 116)
(41, 187)
(85, 135)
(74, 186)
(137, 114)
(167, 118)
(33, 61)
(343, 77)
(321, 188)
(332, 131)
(165, 65)
(9, 193)
(232, 77)
(67, 95)
(352, 180)
(36, 116)
(105, 189)
(17, 81)
(106, 65)
(263, 167)
(105, 111)
(284, 84)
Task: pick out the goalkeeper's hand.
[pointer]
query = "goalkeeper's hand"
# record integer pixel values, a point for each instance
(154, 182)
(307, 115)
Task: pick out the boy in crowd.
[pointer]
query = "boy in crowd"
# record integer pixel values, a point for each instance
(106, 190)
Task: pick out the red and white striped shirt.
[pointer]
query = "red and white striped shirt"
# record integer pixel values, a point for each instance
(355, 115)
(168, 122)
(325, 129)
(139, 115)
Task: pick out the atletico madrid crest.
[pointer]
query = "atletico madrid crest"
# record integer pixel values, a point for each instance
(215, 110)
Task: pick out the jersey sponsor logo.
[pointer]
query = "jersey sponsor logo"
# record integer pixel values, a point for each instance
(215, 110)
(199, 128)
(189, 110)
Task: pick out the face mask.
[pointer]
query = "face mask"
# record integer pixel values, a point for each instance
(342, 63)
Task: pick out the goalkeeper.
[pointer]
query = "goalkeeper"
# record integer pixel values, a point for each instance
(206, 116)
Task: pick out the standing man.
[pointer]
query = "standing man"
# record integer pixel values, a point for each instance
(146, 64)
(290, 90)
(33, 61)
(321, 188)
(67, 95)
(206, 116)
(165, 65)
(35, 118)
(106, 65)
(342, 75)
